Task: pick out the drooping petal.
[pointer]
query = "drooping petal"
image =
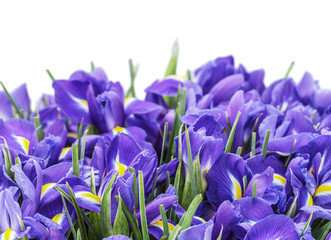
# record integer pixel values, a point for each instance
(71, 98)
(117, 237)
(225, 179)
(263, 182)
(226, 217)
(273, 227)
(252, 210)
(199, 232)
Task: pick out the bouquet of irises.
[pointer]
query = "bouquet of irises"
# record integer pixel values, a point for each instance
(214, 154)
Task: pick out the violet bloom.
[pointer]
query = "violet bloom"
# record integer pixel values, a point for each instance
(207, 140)
(226, 180)
(21, 137)
(92, 98)
(124, 152)
(10, 217)
(21, 97)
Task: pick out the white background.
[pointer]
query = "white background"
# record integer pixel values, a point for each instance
(64, 36)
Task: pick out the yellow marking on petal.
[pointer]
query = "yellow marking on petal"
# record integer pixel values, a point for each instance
(284, 106)
(312, 170)
(9, 235)
(71, 134)
(121, 168)
(118, 129)
(236, 188)
(82, 103)
(323, 189)
(45, 189)
(310, 200)
(200, 219)
(58, 218)
(322, 160)
(23, 142)
(64, 152)
(279, 180)
(160, 225)
(203, 178)
(128, 101)
(88, 196)
(177, 77)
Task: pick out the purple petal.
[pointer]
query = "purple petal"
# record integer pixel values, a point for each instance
(225, 179)
(71, 98)
(225, 218)
(273, 227)
(198, 232)
(225, 89)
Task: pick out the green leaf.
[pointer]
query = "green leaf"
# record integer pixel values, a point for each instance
(289, 156)
(133, 221)
(179, 180)
(106, 228)
(182, 105)
(92, 66)
(164, 222)
(197, 174)
(187, 193)
(171, 146)
(168, 180)
(82, 150)
(228, 147)
(289, 70)
(253, 144)
(324, 231)
(79, 137)
(94, 217)
(254, 189)
(79, 236)
(72, 227)
(40, 131)
(18, 161)
(175, 232)
(180, 144)
(79, 214)
(18, 112)
(239, 150)
(133, 73)
(291, 212)
(245, 182)
(172, 64)
(121, 225)
(189, 75)
(265, 143)
(8, 161)
(307, 224)
(135, 189)
(190, 163)
(92, 130)
(221, 232)
(92, 181)
(143, 218)
(186, 220)
(50, 75)
(25, 237)
(75, 160)
(164, 140)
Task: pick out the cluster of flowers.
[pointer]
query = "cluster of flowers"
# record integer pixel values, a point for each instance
(213, 155)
